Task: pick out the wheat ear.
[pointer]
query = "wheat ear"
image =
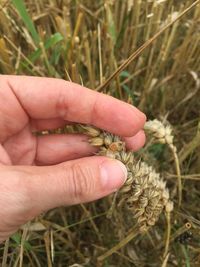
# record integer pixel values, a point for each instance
(163, 135)
(144, 192)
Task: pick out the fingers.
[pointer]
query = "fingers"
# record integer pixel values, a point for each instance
(76, 181)
(26, 149)
(45, 98)
(135, 142)
(28, 191)
(53, 149)
(15, 201)
(21, 147)
(47, 124)
(13, 117)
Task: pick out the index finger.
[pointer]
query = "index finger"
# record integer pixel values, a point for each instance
(47, 98)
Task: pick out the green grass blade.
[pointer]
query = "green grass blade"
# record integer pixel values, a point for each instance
(20, 6)
(17, 238)
(50, 42)
(111, 24)
(186, 255)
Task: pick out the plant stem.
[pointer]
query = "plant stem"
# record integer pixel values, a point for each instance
(178, 171)
(168, 217)
(121, 244)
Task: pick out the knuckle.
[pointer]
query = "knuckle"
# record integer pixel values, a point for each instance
(62, 104)
(81, 181)
(63, 100)
(95, 110)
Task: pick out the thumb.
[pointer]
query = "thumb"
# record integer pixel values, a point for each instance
(26, 191)
(76, 181)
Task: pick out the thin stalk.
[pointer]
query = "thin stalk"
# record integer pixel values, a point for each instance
(168, 218)
(5, 253)
(23, 56)
(121, 244)
(179, 232)
(100, 57)
(23, 239)
(178, 172)
(88, 214)
(187, 150)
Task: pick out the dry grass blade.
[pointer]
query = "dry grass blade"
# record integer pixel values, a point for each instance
(121, 244)
(190, 147)
(47, 240)
(5, 253)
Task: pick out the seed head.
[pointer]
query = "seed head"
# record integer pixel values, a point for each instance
(159, 131)
(144, 193)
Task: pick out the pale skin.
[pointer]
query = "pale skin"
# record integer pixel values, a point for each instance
(38, 173)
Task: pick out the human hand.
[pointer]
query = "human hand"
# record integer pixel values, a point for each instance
(39, 173)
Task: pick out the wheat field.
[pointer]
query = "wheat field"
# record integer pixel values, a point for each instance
(146, 53)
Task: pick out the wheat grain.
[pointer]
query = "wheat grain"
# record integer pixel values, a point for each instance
(163, 135)
(144, 193)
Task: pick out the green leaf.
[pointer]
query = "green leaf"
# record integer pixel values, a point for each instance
(20, 6)
(157, 150)
(126, 89)
(125, 74)
(52, 41)
(186, 254)
(129, 92)
(27, 246)
(111, 24)
(54, 59)
(120, 36)
(17, 238)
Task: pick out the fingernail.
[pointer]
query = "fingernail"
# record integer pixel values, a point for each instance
(113, 174)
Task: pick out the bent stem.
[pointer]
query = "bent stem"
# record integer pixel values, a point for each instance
(168, 217)
(178, 171)
(110, 212)
(121, 244)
